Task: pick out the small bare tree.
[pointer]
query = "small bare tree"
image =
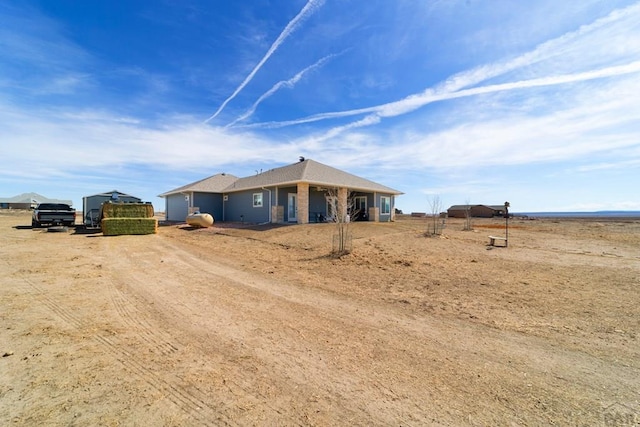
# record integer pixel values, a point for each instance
(434, 227)
(467, 217)
(341, 212)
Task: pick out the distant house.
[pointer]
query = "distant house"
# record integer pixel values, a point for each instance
(296, 193)
(28, 201)
(91, 204)
(475, 211)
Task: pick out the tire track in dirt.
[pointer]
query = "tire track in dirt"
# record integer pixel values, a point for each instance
(188, 402)
(223, 346)
(238, 396)
(329, 313)
(492, 347)
(129, 291)
(470, 341)
(192, 404)
(300, 352)
(133, 318)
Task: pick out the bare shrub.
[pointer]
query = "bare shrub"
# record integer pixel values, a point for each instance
(468, 226)
(434, 225)
(341, 204)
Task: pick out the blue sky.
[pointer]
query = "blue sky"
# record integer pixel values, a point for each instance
(535, 102)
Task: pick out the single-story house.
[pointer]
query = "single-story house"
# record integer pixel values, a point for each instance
(296, 193)
(28, 201)
(91, 204)
(475, 211)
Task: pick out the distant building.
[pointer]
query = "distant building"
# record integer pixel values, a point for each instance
(91, 204)
(475, 211)
(28, 201)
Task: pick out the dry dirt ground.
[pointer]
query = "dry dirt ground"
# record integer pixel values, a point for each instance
(259, 326)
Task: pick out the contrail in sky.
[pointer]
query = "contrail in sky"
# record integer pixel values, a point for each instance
(414, 102)
(283, 83)
(307, 10)
(454, 87)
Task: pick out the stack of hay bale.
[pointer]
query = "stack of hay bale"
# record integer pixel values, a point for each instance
(127, 218)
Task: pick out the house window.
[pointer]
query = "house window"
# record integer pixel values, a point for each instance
(385, 205)
(257, 200)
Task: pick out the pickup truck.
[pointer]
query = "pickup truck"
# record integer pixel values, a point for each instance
(53, 214)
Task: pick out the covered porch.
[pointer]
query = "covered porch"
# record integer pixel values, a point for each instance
(306, 203)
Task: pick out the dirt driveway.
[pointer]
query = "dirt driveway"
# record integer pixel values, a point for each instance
(259, 326)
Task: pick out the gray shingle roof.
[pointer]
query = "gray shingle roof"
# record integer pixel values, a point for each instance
(309, 171)
(213, 184)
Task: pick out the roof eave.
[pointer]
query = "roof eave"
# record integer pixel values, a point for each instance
(313, 183)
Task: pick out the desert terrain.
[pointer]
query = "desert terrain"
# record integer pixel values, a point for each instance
(257, 325)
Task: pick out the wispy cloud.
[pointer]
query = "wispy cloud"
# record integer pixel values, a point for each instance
(620, 165)
(415, 102)
(281, 84)
(69, 140)
(306, 12)
(599, 124)
(29, 37)
(454, 86)
(37, 59)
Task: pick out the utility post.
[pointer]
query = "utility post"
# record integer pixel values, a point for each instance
(506, 228)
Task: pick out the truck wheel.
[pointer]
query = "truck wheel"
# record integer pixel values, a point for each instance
(34, 224)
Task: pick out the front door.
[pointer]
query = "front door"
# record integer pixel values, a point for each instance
(292, 210)
(360, 208)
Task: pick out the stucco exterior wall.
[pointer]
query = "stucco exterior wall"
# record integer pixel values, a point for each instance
(176, 207)
(210, 203)
(239, 207)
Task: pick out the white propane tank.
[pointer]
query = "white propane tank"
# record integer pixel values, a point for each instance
(198, 219)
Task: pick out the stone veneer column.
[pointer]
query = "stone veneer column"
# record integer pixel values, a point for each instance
(303, 203)
(393, 208)
(342, 203)
(374, 213)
